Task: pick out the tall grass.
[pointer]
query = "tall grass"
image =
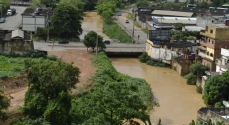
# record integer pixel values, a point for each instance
(115, 32)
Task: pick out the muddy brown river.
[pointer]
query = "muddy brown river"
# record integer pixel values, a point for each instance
(178, 101)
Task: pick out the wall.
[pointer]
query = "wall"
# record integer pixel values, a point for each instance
(211, 64)
(216, 32)
(225, 52)
(30, 23)
(209, 52)
(149, 47)
(18, 46)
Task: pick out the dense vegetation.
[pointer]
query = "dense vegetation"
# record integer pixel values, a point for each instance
(144, 58)
(114, 31)
(14, 63)
(91, 39)
(216, 90)
(112, 99)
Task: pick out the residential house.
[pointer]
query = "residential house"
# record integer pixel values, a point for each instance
(222, 64)
(16, 41)
(186, 55)
(33, 18)
(213, 114)
(214, 37)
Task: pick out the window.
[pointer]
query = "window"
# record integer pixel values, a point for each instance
(211, 55)
(213, 42)
(208, 53)
(211, 31)
(209, 40)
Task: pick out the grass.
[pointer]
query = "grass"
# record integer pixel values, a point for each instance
(114, 31)
(11, 67)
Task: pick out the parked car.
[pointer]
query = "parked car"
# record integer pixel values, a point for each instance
(2, 20)
(119, 14)
(63, 42)
(127, 21)
(11, 11)
(107, 42)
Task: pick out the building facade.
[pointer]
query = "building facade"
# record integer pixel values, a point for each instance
(33, 18)
(222, 64)
(214, 37)
(16, 41)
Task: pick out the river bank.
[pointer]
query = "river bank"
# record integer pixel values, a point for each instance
(178, 101)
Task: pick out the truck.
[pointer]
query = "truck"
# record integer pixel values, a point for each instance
(11, 12)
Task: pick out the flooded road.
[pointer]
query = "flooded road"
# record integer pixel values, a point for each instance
(178, 101)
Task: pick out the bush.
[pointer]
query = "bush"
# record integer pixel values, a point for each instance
(199, 89)
(143, 58)
(191, 80)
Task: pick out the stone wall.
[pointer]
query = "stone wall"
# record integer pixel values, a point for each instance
(18, 46)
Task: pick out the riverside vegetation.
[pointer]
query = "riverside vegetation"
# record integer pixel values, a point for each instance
(113, 98)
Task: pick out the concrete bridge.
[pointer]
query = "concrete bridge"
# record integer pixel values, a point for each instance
(114, 49)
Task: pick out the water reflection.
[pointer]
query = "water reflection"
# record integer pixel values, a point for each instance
(178, 101)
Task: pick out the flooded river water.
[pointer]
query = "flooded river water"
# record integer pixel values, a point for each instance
(178, 101)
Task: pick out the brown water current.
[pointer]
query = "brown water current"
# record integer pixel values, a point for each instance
(178, 101)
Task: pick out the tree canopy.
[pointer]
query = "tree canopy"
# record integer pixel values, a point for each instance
(90, 40)
(216, 89)
(66, 21)
(4, 104)
(198, 69)
(48, 85)
(113, 98)
(42, 32)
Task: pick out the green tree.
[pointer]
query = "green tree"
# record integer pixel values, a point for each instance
(114, 103)
(48, 86)
(42, 32)
(5, 4)
(217, 3)
(90, 40)
(142, 3)
(66, 21)
(4, 104)
(198, 69)
(178, 26)
(77, 4)
(216, 89)
(43, 3)
(90, 4)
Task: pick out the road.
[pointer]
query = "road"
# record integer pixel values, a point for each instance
(13, 22)
(128, 27)
(92, 21)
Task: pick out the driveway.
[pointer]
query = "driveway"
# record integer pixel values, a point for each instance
(13, 22)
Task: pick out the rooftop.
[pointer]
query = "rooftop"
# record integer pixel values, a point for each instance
(218, 25)
(193, 28)
(31, 11)
(172, 20)
(172, 13)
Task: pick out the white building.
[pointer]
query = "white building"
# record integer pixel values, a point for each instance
(222, 64)
(33, 18)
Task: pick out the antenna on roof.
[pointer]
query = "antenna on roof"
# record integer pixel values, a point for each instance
(226, 103)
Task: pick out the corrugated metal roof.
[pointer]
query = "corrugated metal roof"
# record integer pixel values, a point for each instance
(173, 20)
(172, 13)
(17, 33)
(193, 28)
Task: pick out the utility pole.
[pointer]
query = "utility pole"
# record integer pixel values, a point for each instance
(48, 28)
(133, 28)
(97, 46)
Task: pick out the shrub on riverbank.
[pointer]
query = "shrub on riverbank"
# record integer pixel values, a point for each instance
(117, 97)
(192, 79)
(114, 31)
(144, 58)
